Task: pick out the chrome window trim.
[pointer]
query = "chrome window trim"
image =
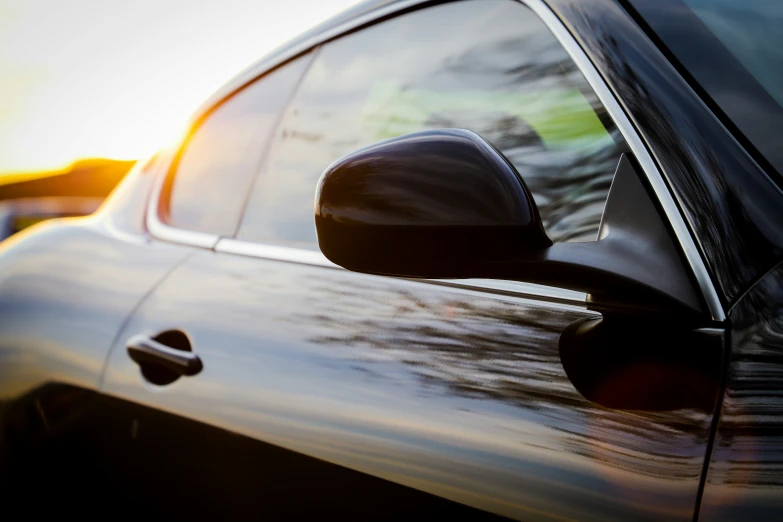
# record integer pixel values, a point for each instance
(591, 74)
(316, 258)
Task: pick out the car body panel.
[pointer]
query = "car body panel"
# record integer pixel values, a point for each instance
(64, 293)
(174, 467)
(745, 481)
(456, 393)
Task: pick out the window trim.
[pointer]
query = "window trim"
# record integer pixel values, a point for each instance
(607, 97)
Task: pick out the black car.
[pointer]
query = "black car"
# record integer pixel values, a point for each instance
(569, 219)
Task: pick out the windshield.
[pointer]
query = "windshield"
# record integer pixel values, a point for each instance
(733, 49)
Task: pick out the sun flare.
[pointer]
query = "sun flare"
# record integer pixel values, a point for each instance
(105, 78)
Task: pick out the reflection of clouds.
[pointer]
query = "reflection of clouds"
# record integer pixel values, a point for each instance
(453, 391)
(746, 472)
(510, 81)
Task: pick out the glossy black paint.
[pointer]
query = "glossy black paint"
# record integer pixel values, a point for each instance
(159, 466)
(745, 481)
(624, 362)
(425, 204)
(732, 206)
(455, 393)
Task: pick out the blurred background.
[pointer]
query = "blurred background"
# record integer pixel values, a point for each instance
(87, 87)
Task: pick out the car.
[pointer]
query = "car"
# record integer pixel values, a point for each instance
(471, 260)
(18, 214)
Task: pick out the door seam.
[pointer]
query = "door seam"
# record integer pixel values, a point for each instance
(715, 423)
(132, 313)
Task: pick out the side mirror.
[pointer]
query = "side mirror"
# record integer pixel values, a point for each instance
(430, 204)
(447, 204)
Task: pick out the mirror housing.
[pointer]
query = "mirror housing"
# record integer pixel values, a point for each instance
(447, 204)
(428, 204)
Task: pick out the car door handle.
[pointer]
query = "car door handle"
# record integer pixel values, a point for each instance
(145, 350)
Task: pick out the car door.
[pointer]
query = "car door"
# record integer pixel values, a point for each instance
(300, 390)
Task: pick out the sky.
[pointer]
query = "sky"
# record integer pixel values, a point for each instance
(119, 78)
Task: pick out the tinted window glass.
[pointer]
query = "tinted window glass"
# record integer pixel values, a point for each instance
(734, 50)
(489, 66)
(222, 155)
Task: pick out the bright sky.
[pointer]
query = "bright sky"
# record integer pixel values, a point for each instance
(119, 78)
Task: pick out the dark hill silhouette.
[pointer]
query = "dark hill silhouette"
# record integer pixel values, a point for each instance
(93, 177)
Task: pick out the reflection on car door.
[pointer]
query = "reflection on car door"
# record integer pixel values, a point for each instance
(322, 391)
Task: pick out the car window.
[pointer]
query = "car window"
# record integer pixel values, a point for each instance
(220, 158)
(489, 66)
(734, 51)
